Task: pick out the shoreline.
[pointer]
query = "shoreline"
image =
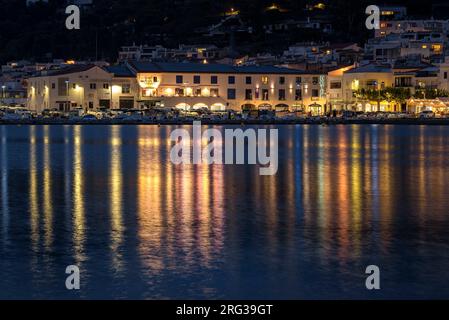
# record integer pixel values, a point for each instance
(323, 121)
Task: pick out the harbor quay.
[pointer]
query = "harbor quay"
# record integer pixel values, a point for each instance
(158, 92)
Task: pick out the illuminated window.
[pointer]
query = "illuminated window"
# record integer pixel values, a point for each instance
(264, 80)
(437, 48)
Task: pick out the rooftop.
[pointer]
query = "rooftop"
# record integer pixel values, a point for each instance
(371, 68)
(208, 68)
(71, 69)
(120, 71)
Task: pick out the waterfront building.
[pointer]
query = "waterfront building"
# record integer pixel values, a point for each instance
(12, 91)
(124, 88)
(224, 87)
(336, 99)
(77, 86)
(443, 75)
(185, 86)
(365, 87)
(438, 106)
(368, 77)
(415, 75)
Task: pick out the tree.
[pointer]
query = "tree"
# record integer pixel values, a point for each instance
(390, 94)
(398, 95)
(430, 93)
(371, 95)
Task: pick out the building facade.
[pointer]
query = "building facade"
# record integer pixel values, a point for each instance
(187, 86)
(223, 87)
(78, 86)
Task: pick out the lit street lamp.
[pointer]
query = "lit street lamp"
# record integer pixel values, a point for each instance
(3, 94)
(67, 107)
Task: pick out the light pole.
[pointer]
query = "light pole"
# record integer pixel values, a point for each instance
(68, 96)
(111, 105)
(3, 94)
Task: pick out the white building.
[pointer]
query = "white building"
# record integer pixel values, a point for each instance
(159, 53)
(178, 85)
(76, 86)
(389, 48)
(221, 87)
(407, 26)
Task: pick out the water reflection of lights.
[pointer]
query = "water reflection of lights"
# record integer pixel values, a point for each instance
(78, 196)
(179, 207)
(116, 198)
(33, 192)
(48, 201)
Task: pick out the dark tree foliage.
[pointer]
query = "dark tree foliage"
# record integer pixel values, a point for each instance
(38, 32)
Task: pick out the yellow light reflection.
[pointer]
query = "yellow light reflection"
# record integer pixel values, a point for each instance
(33, 193)
(78, 196)
(48, 201)
(116, 198)
(149, 197)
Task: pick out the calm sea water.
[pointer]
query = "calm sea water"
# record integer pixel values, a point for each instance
(107, 199)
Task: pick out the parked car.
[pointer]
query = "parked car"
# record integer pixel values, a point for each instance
(89, 117)
(10, 115)
(426, 114)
